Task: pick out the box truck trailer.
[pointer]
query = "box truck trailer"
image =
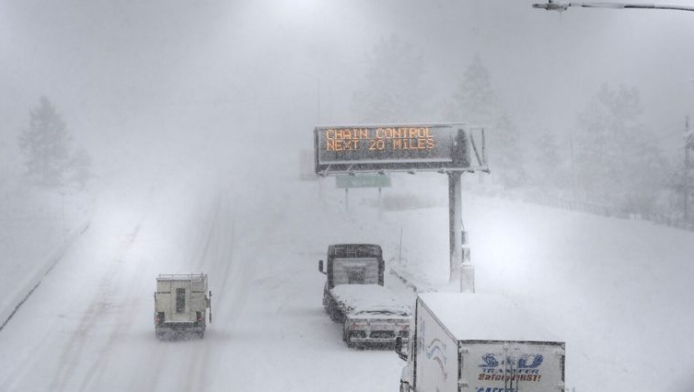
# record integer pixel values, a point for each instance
(479, 343)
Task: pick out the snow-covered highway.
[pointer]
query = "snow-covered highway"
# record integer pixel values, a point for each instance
(89, 325)
(616, 290)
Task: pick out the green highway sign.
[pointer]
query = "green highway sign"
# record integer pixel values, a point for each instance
(363, 181)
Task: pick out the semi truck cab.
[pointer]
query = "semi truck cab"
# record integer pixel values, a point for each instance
(355, 296)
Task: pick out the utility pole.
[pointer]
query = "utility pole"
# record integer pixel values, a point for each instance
(573, 165)
(687, 146)
(320, 179)
(62, 215)
(317, 101)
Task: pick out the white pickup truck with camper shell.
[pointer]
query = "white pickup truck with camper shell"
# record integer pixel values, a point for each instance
(354, 295)
(479, 343)
(181, 303)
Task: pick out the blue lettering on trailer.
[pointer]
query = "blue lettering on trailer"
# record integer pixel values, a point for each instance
(525, 362)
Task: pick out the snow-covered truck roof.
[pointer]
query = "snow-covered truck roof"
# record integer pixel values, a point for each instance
(485, 317)
(355, 250)
(196, 282)
(358, 298)
(182, 277)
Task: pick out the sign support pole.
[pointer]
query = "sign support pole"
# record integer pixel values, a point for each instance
(380, 213)
(686, 170)
(452, 148)
(460, 269)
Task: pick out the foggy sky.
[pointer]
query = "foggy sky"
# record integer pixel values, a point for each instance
(142, 72)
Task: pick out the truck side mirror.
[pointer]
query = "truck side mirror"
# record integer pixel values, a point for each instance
(320, 266)
(398, 349)
(210, 293)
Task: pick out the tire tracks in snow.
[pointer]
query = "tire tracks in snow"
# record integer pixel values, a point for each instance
(188, 358)
(101, 304)
(218, 259)
(196, 375)
(148, 376)
(123, 323)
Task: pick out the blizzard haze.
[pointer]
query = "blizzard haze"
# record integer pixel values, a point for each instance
(191, 116)
(140, 74)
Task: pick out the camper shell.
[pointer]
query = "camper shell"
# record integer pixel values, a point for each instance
(181, 305)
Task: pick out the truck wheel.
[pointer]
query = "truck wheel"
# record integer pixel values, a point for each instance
(333, 312)
(350, 344)
(345, 338)
(339, 317)
(201, 334)
(325, 303)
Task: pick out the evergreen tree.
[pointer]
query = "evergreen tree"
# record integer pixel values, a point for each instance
(80, 167)
(505, 152)
(394, 91)
(475, 103)
(548, 160)
(617, 158)
(45, 146)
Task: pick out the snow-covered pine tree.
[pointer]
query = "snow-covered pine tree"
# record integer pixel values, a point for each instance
(548, 160)
(394, 90)
(45, 145)
(617, 159)
(475, 103)
(80, 167)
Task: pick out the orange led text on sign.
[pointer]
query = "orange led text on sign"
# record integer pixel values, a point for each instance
(379, 139)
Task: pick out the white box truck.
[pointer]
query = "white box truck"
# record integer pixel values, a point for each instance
(479, 343)
(180, 305)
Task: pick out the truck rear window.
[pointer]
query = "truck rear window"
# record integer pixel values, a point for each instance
(180, 300)
(355, 271)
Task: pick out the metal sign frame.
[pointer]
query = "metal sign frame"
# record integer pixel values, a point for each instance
(443, 147)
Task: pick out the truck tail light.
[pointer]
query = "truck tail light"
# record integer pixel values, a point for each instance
(159, 319)
(199, 314)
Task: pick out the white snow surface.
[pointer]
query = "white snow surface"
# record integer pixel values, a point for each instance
(616, 291)
(470, 316)
(358, 298)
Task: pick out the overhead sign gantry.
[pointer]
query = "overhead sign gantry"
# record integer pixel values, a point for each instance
(451, 148)
(381, 148)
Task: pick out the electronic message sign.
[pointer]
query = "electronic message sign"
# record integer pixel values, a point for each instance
(381, 148)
